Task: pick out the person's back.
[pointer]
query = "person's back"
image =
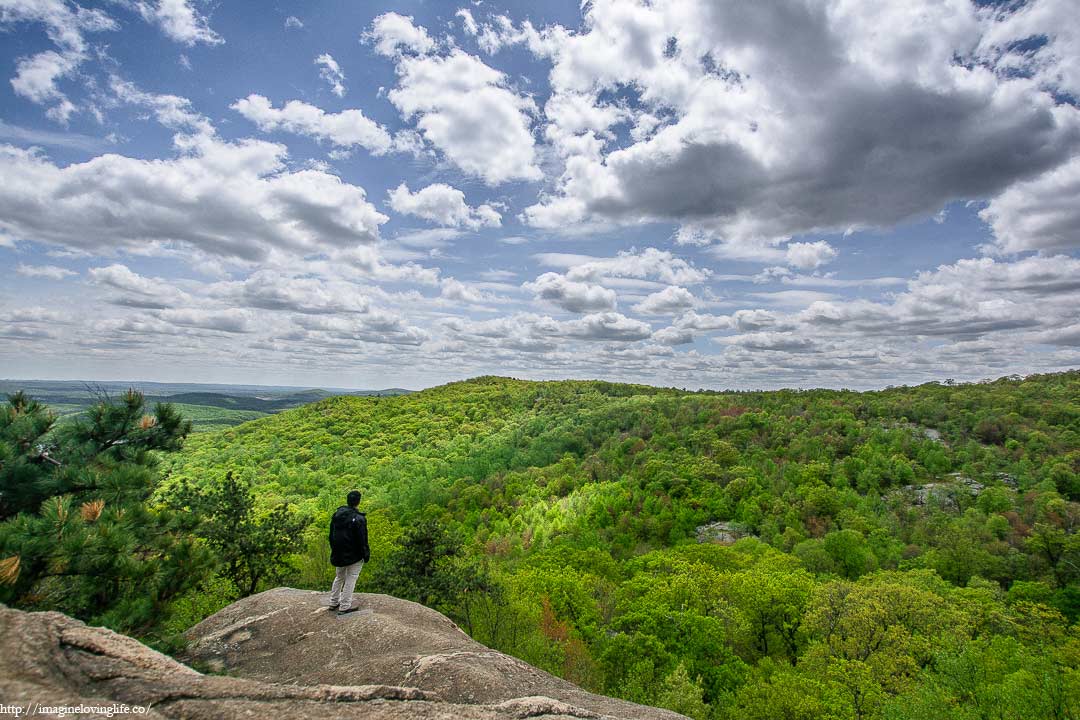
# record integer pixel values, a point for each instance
(348, 551)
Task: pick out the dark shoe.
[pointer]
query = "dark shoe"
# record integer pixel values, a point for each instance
(352, 609)
(333, 607)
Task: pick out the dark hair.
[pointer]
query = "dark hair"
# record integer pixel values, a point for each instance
(353, 498)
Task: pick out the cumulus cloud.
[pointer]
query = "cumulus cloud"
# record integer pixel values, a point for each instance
(530, 333)
(674, 336)
(393, 33)
(36, 76)
(669, 301)
(137, 291)
(274, 290)
(228, 321)
(1053, 62)
(1041, 214)
(786, 118)
(179, 20)
(604, 326)
(468, 22)
(331, 72)
(229, 200)
(775, 341)
(346, 129)
(570, 295)
(469, 293)
(293, 23)
(172, 111)
(444, 205)
(649, 263)
(380, 328)
(463, 107)
(499, 32)
(962, 301)
(809, 255)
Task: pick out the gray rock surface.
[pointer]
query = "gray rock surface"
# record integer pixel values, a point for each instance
(721, 531)
(290, 636)
(52, 660)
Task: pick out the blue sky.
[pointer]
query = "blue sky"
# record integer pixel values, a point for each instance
(684, 192)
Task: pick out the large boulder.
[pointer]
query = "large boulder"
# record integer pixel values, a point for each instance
(52, 660)
(290, 636)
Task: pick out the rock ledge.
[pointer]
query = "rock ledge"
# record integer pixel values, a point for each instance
(288, 657)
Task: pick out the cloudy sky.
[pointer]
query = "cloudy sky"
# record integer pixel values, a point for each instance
(681, 192)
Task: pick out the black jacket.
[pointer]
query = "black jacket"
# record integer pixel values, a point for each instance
(348, 537)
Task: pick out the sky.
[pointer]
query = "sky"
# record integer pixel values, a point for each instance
(694, 193)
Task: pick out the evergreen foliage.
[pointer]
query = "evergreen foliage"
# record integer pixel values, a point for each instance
(77, 533)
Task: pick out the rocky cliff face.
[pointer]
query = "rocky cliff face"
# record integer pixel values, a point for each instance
(286, 656)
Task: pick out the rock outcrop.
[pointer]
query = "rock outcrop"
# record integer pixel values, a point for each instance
(290, 636)
(273, 645)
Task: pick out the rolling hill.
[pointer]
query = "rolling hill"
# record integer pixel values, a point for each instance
(894, 554)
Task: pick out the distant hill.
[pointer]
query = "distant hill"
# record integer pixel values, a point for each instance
(209, 406)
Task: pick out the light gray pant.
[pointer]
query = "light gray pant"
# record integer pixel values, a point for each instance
(344, 582)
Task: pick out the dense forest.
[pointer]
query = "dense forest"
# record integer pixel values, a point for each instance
(903, 554)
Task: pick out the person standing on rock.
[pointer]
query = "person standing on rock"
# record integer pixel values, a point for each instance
(348, 552)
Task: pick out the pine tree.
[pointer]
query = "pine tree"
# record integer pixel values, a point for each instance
(77, 531)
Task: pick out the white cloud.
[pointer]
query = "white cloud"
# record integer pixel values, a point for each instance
(443, 205)
(464, 109)
(1040, 214)
(578, 297)
(809, 255)
(293, 23)
(786, 118)
(136, 290)
(172, 111)
(36, 76)
(179, 21)
(457, 291)
(673, 336)
(669, 301)
(461, 106)
(230, 200)
(968, 299)
(468, 22)
(537, 333)
(610, 326)
(428, 238)
(649, 263)
(381, 328)
(50, 272)
(1056, 63)
(394, 33)
(500, 32)
(348, 128)
(278, 291)
(31, 315)
(229, 321)
(331, 72)
(776, 341)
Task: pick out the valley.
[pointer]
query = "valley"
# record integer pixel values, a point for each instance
(878, 554)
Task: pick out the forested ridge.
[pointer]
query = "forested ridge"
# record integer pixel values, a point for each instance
(907, 553)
